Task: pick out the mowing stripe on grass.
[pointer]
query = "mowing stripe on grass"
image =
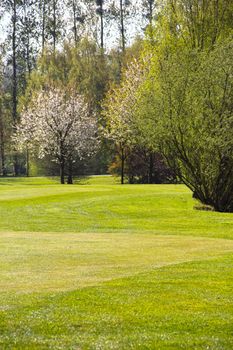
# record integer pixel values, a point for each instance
(43, 262)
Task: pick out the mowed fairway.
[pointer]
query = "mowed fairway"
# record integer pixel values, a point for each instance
(98, 265)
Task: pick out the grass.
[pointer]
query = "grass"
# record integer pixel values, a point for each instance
(98, 204)
(98, 265)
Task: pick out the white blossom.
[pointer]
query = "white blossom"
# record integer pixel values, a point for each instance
(58, 123)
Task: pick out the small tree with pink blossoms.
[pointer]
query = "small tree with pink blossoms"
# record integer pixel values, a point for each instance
(58, 123)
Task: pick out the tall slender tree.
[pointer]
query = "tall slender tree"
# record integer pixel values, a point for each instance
(148, 7)
(13, 7)
(122, 26)
(51, 23)
(100, 12)
(43, 14)
(2, 131)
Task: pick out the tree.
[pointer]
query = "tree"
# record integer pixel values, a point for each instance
(189, 90)
(51, 24)
(27, 45)
(2, 125)
(84, 69)
(78, 17)
(183, 106)
(59, 123)
(20, 54)
(55, 22)
(118, 112)
(148, 14)
(13, 7)
(200, 23)
(120, 11)
(148, 6)
(5, 129)
(194, 133)
(100, 12)
(80, 67)
(137, 169)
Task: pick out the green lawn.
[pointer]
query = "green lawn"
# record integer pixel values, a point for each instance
(98, 265)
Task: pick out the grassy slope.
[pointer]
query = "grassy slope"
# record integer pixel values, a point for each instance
(102, 206)
(146, 271)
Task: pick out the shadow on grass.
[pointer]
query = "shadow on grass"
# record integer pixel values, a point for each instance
(82, 180)
(55, 180)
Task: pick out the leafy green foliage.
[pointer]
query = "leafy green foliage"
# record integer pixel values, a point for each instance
(192, 115)
(184, 108)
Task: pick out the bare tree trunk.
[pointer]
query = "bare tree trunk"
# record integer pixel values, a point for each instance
(54, 25)
(216, 21)
(27, 162)
(75, 22)
(28, 39)
(70, 172)
(122, 165)
(151, 166)
(14, 66)
(100, 12)
(14, 82)
(43, 25)
(102, 26)
(62, 171)
(150, 14)
(4, 171)
(122, 26)
(2, 144)
(150, 11)
(28, 56)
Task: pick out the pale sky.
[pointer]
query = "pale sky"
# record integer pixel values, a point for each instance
(112, 35)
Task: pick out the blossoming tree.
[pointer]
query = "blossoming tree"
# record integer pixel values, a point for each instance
(58, 123)
(119, 110)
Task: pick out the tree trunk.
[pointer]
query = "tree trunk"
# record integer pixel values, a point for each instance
(43, 26)
(122, 165)
(102, 27)
(4, 172)
(151, 166)
(54, 25)
(150, 11)
(122, 26)
(14, 82)
(150, 14)
(70, 172)
(75, 22)
(14, 67)
(3, 166)
(15, 164)
(62, 171)
(2, 142)
(27, 44)
(27, 163)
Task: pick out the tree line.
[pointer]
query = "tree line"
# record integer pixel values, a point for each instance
(158, 109)
(71, 45)
(178, 98)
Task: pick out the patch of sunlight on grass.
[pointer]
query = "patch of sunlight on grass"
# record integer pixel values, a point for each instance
(45, 262)
(102, 266)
